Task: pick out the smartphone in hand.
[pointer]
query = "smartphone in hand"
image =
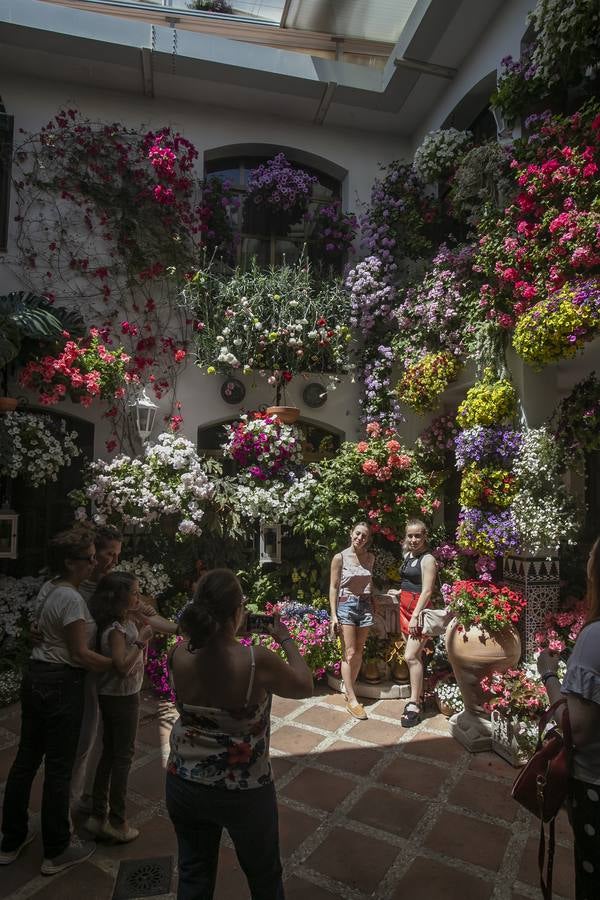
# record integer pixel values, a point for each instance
(259, 622)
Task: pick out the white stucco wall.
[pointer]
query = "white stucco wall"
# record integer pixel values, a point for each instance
(33, 102)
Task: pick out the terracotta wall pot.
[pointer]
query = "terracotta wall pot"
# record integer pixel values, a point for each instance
(285, 414)
(474, 653)
(399, 670)
(370, 671)
(8, 404)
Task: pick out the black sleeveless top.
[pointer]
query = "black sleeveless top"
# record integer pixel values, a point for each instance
(412, 577)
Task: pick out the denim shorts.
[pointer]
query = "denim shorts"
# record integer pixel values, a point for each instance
(353, 610)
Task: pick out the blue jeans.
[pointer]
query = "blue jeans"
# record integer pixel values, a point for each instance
(51, 712)
(199, 813)
(355, 610)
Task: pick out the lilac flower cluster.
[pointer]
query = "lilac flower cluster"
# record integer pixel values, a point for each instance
(278, 184)
(379, 403)
(438, 313)
(335, 230)
(394, 226)
(372, 295)
(524, 68)
(485, 533)
(487, 446)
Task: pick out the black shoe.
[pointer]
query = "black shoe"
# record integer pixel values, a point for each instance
(411, 717)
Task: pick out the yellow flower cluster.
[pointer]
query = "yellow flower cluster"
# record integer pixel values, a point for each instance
(424, 381)
(555, 328)
(487, 403)
(487, 488)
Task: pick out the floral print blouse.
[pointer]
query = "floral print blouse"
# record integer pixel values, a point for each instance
(222, 748)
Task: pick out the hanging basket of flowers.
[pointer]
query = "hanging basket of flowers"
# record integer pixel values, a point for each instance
(278, 196)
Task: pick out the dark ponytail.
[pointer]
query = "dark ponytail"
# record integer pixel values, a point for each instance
(217, 598)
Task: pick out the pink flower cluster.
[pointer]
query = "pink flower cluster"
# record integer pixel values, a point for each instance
(514, 693)
(559, 630)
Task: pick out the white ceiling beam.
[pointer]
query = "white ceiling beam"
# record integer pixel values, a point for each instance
(426, 68)
(325, 103)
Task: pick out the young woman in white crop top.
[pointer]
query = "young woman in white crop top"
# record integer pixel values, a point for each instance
(351, 605)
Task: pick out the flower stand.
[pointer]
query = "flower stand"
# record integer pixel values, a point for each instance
(537, 578)
(504, 740)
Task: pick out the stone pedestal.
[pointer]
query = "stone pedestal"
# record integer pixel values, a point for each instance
(473, 732)
(538, 579)
(383, 690)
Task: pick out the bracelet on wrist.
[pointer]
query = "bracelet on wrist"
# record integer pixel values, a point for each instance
(547, 675)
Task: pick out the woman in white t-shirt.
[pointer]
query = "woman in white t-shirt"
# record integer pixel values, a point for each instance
(52, 699)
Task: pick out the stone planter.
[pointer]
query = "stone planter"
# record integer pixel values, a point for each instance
(505, 742)
(474, 653)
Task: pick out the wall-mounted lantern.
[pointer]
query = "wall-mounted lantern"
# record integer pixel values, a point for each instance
(270, 544)
(143, 412)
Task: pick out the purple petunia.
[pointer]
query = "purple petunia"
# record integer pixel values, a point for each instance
(487, 446)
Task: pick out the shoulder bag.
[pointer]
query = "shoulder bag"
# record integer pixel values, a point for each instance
(542, 785)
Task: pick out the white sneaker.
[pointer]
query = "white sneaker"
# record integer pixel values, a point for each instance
(122, 835)
(77, 852)
(8, 856)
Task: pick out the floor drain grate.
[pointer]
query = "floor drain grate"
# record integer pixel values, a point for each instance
(143, 878)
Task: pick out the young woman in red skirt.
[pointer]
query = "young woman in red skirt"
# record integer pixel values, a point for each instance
(419, 572)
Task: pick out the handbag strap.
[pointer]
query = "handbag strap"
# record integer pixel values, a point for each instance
(565, 723)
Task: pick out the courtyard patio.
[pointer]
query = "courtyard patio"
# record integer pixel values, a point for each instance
(367, 809)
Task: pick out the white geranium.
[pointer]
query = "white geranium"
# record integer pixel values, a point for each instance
(440, 153)
(35, 447)
(281, 501)
(17, 602)
(170, 481)
(565, 34)
(152, 577)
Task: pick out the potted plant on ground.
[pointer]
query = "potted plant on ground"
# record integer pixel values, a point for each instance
(514, 699)
(480, 639)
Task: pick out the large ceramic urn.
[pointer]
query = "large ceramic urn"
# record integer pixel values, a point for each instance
(474, 653)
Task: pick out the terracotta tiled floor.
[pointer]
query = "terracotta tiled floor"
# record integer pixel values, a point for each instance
(367, 809)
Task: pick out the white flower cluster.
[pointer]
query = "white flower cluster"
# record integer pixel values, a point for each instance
(17, 602)
(152, 577)
(440, 153)
(169, 481)
(544, 513)
(449, 692)
(35, 447)
(565, 31)
(282, 501)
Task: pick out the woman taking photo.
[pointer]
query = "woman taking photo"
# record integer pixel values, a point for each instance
(218, 773)
(419, 571)
(52, 701)
(351, 605)
(581, 686)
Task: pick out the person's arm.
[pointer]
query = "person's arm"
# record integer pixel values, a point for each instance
(80, 653)
(123, 657)
(286, 679)
(584, 715)
(428, 573)
(148, 614)
(334, 590)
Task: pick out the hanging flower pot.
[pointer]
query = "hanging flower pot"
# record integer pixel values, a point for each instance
(286, 414)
